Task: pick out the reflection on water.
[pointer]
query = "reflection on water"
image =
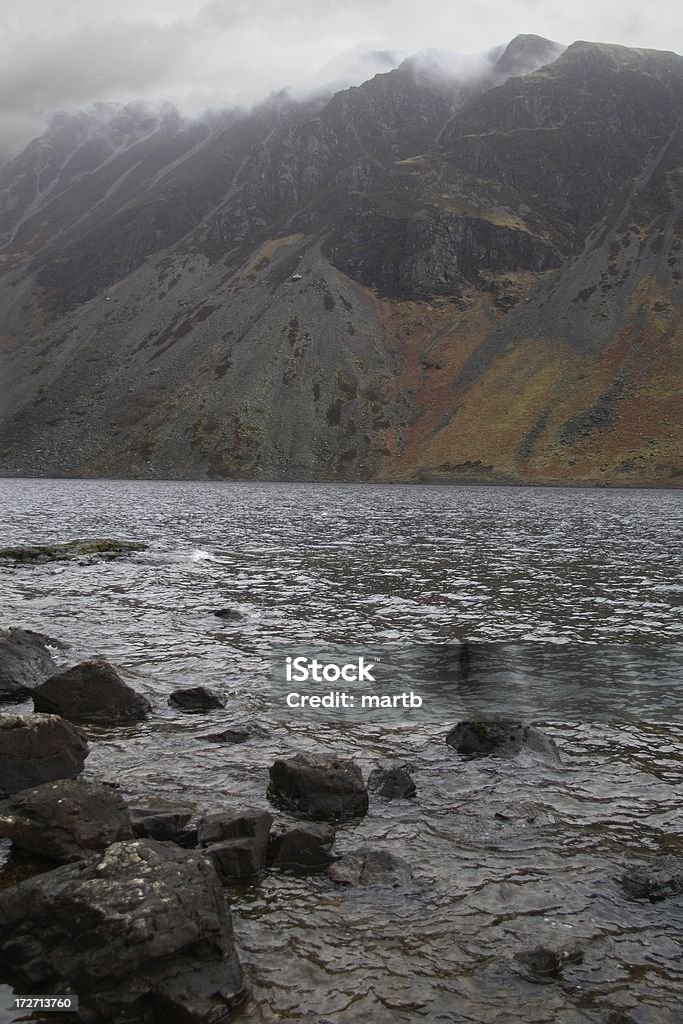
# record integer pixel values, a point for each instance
(506, 854)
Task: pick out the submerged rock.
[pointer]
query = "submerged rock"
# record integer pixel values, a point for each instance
(65, 820)
(141, 932)
(392, 781)
(36, 749)
(656, 881)
(321, 787)
(197, 698)
(237, 842)
(240, 732)
(163, 820)
(305, 849)
(228, 614)
(501, 739)
(548, 963)
(91, 692)
(73, 549)
(25, 661)
(369, 865)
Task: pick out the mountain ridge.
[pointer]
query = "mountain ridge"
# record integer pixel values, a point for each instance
(420, 278)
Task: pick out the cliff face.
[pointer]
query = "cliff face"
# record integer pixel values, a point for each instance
(436, 275)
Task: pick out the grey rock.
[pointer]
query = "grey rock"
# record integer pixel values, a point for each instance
(197, 698)
(65, 820)
(237, 842)
(25, 661)
(392, 782)
(91, 692)
(141, 932)
(324, 788)
(36, 749)
(655, 881)
(37, 554)
(163, 820)
(546, 963)
(305, 849)
(228, 614)
(239, 732)
(501, 739)
(370, 865)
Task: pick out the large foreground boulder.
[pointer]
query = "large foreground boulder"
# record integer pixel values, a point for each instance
(25, 661)
(237, 842)
(304, 849)
(36, 749)
(320, 787)
(501, 739)
(141, 932)
(65, 820)
(91, 692)
(369, 865)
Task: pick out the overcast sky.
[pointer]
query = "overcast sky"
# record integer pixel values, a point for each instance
(61, 54)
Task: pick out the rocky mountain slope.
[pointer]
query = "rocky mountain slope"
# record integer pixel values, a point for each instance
(434, 276)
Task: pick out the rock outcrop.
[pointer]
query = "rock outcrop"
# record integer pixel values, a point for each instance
(237, 843)
(392, 781)
(304, 849)
(501, 739)
(91, 692)
(369, 865)
(195, 699)
(320, 787)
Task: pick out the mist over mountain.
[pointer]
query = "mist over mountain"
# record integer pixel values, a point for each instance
(461, 268)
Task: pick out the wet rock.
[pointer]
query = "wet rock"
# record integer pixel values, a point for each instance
(65, 820)
(35, 554)
(306, 848)
(228, 614)
(91, 692)
(140, 932)
(371, 866)
(501, 739)
(163, 820)
(548, 963)
(392, 781)
(25, 661)
(656, 881)
(237, 842)
(240, 732)
(36, 749)
(324, 788)
(197, 698)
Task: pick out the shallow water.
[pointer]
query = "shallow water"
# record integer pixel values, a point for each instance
(407, 569)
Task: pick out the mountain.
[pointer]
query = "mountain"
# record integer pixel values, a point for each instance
(459, 270)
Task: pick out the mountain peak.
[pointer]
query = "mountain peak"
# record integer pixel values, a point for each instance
(527, 53)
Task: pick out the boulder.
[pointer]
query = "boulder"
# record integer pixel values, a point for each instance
(237, 842)
(305, 849)
(392, 781)
(370, 865)
(655, 881)
(36, 749)
(25, 661)
(163, 820)
(321, 787)
(501, 739)
(65, 820)
(91, 692)
(197, 698)
(548, 963)
(141, 932)
(240, 732)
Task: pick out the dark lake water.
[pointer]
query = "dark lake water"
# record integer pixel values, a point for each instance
(571, 603)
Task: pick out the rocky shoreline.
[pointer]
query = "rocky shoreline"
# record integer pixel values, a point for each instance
(125, 901)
